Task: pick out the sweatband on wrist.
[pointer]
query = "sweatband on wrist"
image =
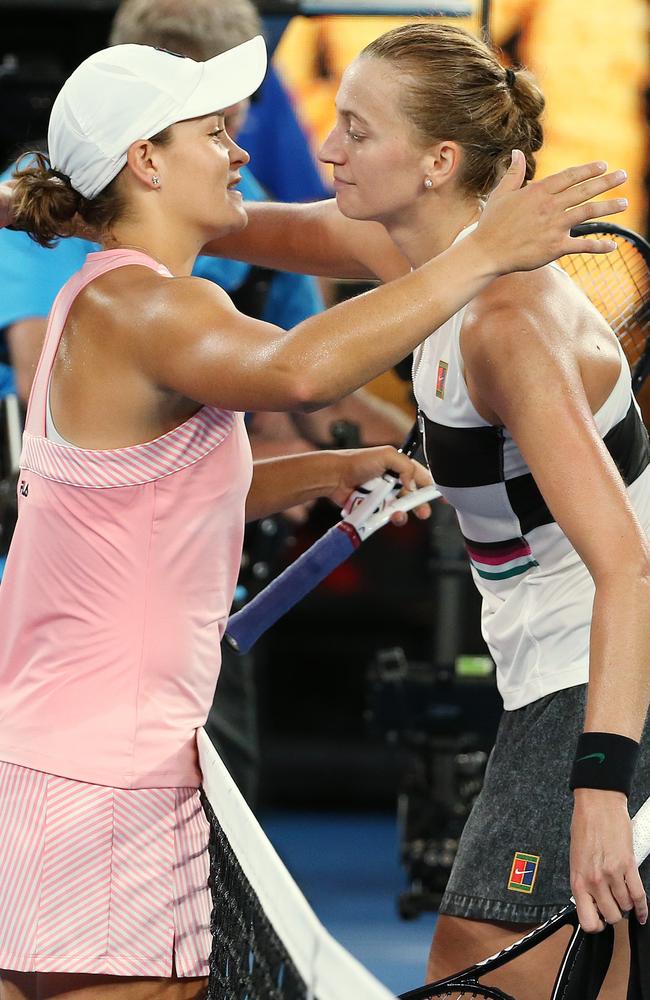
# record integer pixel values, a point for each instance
(606, 761)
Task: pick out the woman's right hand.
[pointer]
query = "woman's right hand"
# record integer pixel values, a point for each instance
(523, 228)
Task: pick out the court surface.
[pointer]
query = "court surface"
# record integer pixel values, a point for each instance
(347, 866)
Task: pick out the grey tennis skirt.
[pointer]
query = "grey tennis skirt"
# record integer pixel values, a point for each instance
(513, 859)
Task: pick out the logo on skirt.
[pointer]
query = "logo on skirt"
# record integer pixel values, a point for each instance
(523, 873)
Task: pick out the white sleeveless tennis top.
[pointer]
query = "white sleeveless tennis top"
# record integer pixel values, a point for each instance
(537, 593)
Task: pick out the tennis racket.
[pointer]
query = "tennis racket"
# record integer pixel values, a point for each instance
(585, 963)
(618, 285)
(368, 509)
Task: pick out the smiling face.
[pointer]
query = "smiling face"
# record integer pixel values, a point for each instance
(379, 166)
(199, 171)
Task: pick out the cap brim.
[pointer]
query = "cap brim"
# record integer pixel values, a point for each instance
(228, 79)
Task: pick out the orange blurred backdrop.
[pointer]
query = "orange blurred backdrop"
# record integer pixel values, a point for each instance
(590, 57)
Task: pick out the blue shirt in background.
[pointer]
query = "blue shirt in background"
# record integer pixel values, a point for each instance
(280, 154)
(7, 383)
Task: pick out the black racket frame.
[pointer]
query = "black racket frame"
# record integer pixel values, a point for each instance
(469, 977)
(642, 366)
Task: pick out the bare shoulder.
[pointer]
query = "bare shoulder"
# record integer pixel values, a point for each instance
(518, 336)
(188, 298)
(140, 301)
(521, 314)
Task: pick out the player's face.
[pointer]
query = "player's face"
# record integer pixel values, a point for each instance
(377, 164)
(201, 171)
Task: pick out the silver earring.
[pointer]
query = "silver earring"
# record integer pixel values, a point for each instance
(428, 183)
(155, 180)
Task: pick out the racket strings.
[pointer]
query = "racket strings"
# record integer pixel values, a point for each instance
(618, 285)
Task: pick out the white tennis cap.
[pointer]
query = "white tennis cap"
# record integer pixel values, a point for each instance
(131, 92)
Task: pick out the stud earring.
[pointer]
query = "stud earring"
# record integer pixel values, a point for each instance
(428, 183)
(155, 180)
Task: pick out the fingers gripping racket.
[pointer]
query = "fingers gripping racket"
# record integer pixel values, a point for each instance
(618, 285)
(368, 509)
(585, 963)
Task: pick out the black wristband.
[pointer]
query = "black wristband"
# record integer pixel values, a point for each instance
(604, 760)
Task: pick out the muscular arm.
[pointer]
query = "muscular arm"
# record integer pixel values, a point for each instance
(279, 483)
(378, 420)
(533, 382)
(312, 239)
(192, 340)
(531, 379)
(25, 340)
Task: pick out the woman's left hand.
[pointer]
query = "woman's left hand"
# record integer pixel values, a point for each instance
(360, 465)
(605, 880)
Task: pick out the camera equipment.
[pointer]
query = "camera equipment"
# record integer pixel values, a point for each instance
(445, 727)
(443, 714)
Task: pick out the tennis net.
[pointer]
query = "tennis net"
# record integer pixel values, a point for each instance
(268, 943)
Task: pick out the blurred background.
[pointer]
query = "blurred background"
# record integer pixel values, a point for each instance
(366, 715)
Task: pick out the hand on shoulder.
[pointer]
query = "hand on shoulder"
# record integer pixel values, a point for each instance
(523, 228)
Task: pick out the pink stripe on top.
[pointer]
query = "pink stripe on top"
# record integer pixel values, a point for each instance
(500, 560)
(117, 588)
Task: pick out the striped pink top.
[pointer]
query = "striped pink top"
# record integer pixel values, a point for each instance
(117, 588)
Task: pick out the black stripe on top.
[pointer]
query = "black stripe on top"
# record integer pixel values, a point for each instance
(628, 444)
(456, 461)
(463, 456)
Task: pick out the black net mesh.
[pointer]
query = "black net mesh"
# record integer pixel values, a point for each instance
(268, 944)
(248, 959)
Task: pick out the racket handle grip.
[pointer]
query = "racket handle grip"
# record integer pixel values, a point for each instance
(641, 832)
(246, 626)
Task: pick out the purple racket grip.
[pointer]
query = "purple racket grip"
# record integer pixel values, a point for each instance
(246, 626)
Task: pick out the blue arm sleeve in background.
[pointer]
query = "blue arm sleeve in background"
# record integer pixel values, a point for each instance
(279, 149)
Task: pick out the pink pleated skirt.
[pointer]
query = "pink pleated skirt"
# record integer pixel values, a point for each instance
(102, 880)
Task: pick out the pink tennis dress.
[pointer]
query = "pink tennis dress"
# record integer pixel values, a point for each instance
(114, 599)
